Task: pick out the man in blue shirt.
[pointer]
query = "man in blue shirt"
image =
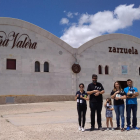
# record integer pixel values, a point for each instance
(131, 104)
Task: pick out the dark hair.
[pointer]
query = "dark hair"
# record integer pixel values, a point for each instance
(81, 84)
(129, 80)
(119, 86)
(109, 100)
(94, 75)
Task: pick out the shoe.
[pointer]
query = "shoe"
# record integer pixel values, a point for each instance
(92, 129)
(83, 129)
(128, 128)
(100, 128)
(107, 129)
(117, 128)
(136, 128)
(122, 129)
(79, 128)
(112, 129)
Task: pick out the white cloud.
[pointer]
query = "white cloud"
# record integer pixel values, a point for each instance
(76, 14)
(70, 15)
(64, 21)
(91, 26)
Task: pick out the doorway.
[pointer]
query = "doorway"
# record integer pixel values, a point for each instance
(123, 84)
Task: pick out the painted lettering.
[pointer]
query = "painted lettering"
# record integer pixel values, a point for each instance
(19, 41)
(123, 50)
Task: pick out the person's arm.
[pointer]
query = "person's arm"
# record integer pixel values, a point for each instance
(105, 104)
(134, 95)
(91, 92)
(123, 97)
(114, 95)
(76, 96)
(111, 108)
(100, 92)
(85, 98)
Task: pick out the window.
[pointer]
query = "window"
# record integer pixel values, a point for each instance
(11, 64)
(106, 70)
(46, 67)
(37, 66)
(100, 69)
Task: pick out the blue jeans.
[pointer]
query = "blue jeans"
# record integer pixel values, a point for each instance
(119, 110)
(128, 112)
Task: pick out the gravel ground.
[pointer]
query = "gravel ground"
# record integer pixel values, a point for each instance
(54, 121)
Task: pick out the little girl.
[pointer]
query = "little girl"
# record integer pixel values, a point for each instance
(109, 115)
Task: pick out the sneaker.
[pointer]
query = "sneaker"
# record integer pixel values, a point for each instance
(117, 128)
(92, 129)
(83, 129)
(112, 129)
(107, 129)
(136, 128)
(100, 128)
(79, 128)
(128, 128)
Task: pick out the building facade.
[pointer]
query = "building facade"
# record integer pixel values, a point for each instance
(36, 66)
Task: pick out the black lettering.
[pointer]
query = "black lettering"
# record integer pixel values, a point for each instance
(23, 45)
(136, 51)
(125, 51)
(110, 49)
(118, 50)
(14, 43)
(121, 50)
(34, 45)
(129, 51)
(5, 43)
(19, 44)
(114, 49)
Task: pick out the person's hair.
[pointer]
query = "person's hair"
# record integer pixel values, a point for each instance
(129, 80)
(94, 75)
(115, 87)
(82, 85)
(109, 100)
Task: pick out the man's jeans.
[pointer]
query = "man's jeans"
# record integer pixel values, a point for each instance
(119, 110)
(96, 106)
(128, 112)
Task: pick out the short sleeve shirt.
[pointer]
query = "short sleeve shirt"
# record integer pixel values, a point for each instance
(120, 101)
(131, 100)
(81, 101)
(99, 87)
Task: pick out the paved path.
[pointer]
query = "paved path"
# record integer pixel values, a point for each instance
(53, 121)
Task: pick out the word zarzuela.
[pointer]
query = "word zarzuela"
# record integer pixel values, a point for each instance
(123, 50)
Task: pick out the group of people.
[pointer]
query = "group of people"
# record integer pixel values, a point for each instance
(94, 95)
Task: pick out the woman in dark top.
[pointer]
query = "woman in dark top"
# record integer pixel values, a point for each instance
(118, 95)
(81, 97)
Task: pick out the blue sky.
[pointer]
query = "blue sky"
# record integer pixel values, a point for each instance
(77, 21)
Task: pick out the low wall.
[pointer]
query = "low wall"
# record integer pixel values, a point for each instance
(16, 99)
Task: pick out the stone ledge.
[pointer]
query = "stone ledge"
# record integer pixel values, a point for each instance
(17, 99)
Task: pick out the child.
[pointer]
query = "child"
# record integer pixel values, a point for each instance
(81, 97)
(109, 115)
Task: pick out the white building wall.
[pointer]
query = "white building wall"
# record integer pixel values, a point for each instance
(98, 54)
(60, 80)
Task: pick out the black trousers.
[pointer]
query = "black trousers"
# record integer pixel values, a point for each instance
(96, 107)
(81, 109)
